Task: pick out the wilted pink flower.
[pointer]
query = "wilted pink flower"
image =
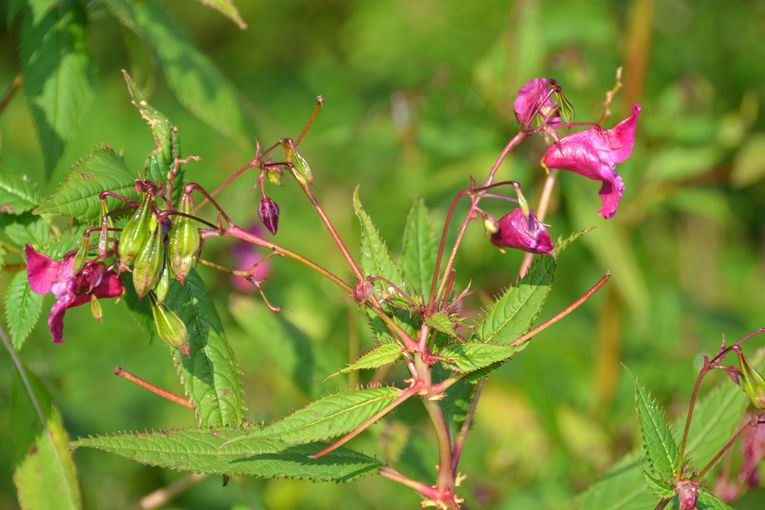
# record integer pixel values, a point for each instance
(534, 99)
(594, 153)
(527, 233)
(71, 289)
(246, 256)
(687, 494)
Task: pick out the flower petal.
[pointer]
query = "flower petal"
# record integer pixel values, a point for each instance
(42, 271)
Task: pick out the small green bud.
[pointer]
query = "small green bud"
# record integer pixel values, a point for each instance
(301, 169)
(751, 382)
(183, 241)
(149, 260)
(170, 328)
(163, 285)
(136, 232)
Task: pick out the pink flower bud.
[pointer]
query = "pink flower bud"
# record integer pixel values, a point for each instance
(541, 102)
(268, 212)
(594, 154)
(527, 233)
(687, 494)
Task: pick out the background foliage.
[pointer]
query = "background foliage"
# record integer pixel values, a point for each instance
(418, 97)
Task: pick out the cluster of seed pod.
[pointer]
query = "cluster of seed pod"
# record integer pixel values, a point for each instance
(156, 248)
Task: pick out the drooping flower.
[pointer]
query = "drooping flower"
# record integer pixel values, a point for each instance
(535, 100)
(687, 494)
(594, 154)
(248, 257)
(70, 288)
(527, 233)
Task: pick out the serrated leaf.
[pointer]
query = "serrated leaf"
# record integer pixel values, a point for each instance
(78, 196)
(515, 311)
(329, 417)
(708, 501)
(22, 309)
(418, 255)
(663, 489)
(25, 229)
(228, 9)
(43, 470)
(209, 374)
(194, 79)
(17, 194)
(441, 322)
(381, 355)
(623, 488)
(471, 356)
(662, 452)
(56, 70)
(200, 451)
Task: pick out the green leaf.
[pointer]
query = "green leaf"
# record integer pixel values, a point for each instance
(78, 196)
(418, 255)
(331, 416)
(43, 470)
(193, 77)
(662, 488)
(381, 355)
(17, 194)
(228, 9)
(659, 444)
(623, 488)
(519, 306)
(13, 10)
(201, 451)
(471, 356)
(25, 229)
(56, 70)
(209, 374)
(443, 323)
(140, 309)
(708, 501)
(22, 309)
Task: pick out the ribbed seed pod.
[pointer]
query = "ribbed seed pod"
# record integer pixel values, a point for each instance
(136, 232)
(170, 328)
(163, 285)
(149, 260)
(183, 241)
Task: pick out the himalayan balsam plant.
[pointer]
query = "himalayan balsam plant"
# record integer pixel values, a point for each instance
(142, 240)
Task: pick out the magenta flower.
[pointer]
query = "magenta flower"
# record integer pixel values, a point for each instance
(527, 233)
(534, 99)
(71, 289)
(594, 154)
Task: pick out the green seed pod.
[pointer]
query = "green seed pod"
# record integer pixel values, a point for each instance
(149, 260)
(301, 170)
(163, 285)
(136, 232)
(170, 328)
(751, 382)
(183, 241)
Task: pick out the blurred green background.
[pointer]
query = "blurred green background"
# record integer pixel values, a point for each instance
(418, 98)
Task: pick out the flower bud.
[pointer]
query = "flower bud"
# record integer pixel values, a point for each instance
(300, 167)
(149, 260)
(751, 382)
(363, 290)
(527, 233)
(268, 212)
(135, 233)
(183, 241)
(95, 308)
(687, 494)
(170, 328)
(163, 285)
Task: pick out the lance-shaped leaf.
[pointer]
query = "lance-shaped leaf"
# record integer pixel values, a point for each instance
(471, 356)
(381, 355)
(17, 194)
(662, 452)
(26, 229)
(22, 309)
(418, 255)
(203, 451)
(193, 77)
(519, 306)
(443, 323)
(56, 70)
(228, 9)
(43, 470)
(330, 416)
(209, 374)
(78, 196)
(708, 501)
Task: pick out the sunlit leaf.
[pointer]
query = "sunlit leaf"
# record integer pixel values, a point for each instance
(472, 356)
(418, 255)
(381, 355)
(22, 309)
(18, 194)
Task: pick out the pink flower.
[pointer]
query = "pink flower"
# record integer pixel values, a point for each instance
(247, 258)
(48, 275)
(535, 100)
(527, 233)
(594, 154)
